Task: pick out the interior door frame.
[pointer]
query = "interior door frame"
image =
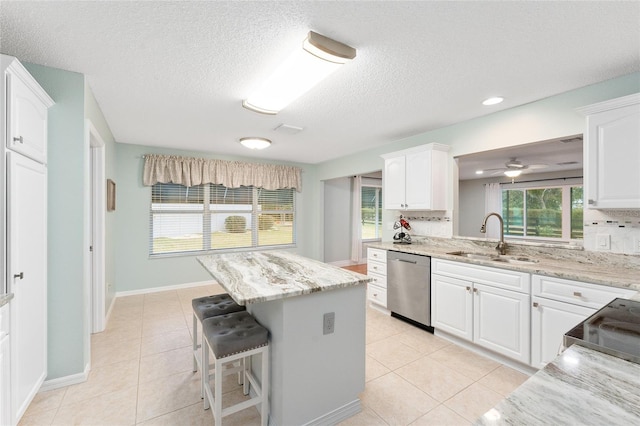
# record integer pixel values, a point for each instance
(97, 224)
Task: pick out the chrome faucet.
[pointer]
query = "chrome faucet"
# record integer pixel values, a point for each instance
(502, 246)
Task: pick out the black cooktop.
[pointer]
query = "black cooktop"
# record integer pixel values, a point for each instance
(614, 329)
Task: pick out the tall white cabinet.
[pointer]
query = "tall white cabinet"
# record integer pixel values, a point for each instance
(24, 187)
(612, 153)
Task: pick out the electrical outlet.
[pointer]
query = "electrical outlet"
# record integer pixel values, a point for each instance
(329, 323)
(603, 242)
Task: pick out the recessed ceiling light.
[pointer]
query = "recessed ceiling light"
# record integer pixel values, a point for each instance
(492, 101)
(255, 143)
(479, 172)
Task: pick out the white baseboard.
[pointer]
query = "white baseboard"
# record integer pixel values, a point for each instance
(338, 415)
(61, 382)
(165, 288)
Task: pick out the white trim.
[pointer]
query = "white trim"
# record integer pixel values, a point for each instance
(98, 233)
(61, 382)
(610, 104)
(165, 288)
(338, 415)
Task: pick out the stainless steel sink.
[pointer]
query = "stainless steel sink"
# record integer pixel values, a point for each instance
(479, 256)
(515, 259)
(495, 257)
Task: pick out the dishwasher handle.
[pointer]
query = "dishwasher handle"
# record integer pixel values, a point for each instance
(405, 261)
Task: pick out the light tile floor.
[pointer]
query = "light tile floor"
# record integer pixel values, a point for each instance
(141, 373)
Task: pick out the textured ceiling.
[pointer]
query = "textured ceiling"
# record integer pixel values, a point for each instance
(173, 74)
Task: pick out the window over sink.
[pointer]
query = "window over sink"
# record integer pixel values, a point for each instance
(553, 212)
(211, 217)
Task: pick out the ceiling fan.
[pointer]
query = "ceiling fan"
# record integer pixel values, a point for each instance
(513, 168)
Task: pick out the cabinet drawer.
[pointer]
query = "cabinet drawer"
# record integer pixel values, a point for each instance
(377, 295)
(576, 292)
(375, 267)
(377, 255)
(378, 280)
(496, 277)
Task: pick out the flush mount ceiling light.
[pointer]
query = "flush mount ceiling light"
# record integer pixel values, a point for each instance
(492, 101)
(319, 57)
(255, 143)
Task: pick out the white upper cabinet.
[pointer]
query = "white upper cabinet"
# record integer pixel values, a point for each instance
(27, 106)
(417, 178)
(612, 153)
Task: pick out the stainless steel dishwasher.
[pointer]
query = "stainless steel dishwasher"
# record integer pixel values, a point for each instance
(409, 287)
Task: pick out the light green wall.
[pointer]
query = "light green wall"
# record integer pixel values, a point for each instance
(66, 220)
(93, 112)
(135, 270)
(541, 120)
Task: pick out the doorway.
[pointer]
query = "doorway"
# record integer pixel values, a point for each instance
(97, 187)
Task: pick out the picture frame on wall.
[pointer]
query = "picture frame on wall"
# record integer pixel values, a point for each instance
(111, 195)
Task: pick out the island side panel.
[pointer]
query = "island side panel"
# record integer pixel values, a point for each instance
(312, 374)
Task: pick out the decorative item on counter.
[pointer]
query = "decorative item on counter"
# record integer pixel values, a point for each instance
(402, 237)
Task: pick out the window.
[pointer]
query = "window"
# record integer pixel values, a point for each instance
(371, 212)
(553, 212)
(212, 217)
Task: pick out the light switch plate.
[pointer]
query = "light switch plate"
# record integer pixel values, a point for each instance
(328, 323)
(603, 242)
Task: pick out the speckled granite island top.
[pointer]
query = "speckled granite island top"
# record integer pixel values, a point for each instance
(252, 277)
(580, 387)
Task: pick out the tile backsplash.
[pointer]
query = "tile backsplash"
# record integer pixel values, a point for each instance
(430, 223)
(613, 231)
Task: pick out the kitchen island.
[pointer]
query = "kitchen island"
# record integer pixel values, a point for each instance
(580, 387)
(315, 377)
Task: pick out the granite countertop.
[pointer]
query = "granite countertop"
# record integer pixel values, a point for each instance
(252, 277)
(581, 386)
(614, 270)
(5, 298)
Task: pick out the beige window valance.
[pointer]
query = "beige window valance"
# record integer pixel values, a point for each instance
(189, 171)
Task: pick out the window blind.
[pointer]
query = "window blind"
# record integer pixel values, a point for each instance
(212, 217)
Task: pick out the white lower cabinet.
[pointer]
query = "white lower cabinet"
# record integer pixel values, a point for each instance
(377, 270)
(452, 305)
(486, 311)
(550, 320)
(501, 321)
(558, 305)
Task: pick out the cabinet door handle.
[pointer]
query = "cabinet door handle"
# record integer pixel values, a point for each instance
(20, 275)
(591, 202)
(18, 139)
(535, 304)
(577, 294)
(469, 289)
(475, 290)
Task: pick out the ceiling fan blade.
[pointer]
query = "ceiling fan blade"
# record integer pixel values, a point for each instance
(537, 166)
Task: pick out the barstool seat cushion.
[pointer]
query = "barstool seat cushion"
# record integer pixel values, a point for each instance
(211, 306)
(234, 333)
